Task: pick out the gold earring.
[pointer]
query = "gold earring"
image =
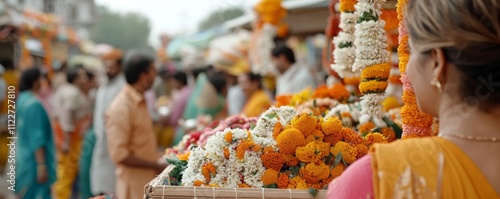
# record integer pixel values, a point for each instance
(437, 84)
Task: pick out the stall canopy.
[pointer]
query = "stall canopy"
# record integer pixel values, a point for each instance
(195, 41)
(304, 16)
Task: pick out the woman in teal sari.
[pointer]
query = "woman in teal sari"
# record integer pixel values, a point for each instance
(35, 150)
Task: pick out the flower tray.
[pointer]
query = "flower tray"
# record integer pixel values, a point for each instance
(156, 189)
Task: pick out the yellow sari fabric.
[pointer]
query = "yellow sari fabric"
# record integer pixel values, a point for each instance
(257, 104)
(427, 168)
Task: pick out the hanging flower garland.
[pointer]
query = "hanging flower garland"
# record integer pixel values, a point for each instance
(372, 57)
(344, 53)
(415, 122)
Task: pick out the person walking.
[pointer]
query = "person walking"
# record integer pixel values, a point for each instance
(35, 158)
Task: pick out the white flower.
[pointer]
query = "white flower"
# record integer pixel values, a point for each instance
(372, 104)
(379, 123)
(364, 119)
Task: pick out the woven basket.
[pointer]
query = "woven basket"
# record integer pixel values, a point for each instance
(156, 189)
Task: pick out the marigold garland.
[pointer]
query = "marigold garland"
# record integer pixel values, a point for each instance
(305, 123)
(313, 152)
(379, 71)
(349, 153)
(272, 160)
(331, 125)
(314, 172)
(415, 122)
(283, 180)
(316, 135)
(373, 86)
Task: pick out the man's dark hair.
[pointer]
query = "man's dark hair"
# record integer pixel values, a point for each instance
(284, 50)
(136, 65)
(72, 73)
(7, 64)
(180, 77)
(28, 78)
(218, 80)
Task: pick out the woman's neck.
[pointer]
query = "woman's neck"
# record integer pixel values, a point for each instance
(460, 118)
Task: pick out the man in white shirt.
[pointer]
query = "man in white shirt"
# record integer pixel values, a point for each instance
(292, 77)
(102, 170)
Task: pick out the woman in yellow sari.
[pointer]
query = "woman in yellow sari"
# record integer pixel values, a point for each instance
(454, 68)
(258, 100)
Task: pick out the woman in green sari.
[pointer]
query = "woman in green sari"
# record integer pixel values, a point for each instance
(35, 150)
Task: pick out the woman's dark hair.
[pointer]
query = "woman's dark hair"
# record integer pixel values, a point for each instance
(28, 78)
(180, 77)
(218, 80)
(254, 77)
(136, 65)
(198, 71)
(284, 50)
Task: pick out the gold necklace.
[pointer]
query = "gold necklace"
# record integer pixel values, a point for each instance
(468, 137)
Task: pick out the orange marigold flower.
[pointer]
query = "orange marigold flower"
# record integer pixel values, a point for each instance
(339, 92)
(272, 160)
(184, 156)
(372, 138)
(198, 183)
(316, 135)
(244, 146)
(314, 173)
(331, 125)
(297, 183)
(305, 123)
(333, 138)
(313, 151)
(229, 137)
(366, 127)
(290, 160)
(349, 153)
(289, 140)
(362, 150)
(321, 91)
(270, 177)
(347, 5)
(282, 180)
(226, 153)
(208, 170)
(337, 170)
(277, 129)
(389, 134)
(351, 136)
(283, 100)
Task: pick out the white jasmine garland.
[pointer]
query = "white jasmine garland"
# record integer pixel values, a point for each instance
(345, 55)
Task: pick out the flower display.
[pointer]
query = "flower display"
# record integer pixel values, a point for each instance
(415, 122)
(286, 149)
(372, 57)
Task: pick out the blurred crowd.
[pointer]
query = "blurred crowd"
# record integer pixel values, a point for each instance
(80, 138)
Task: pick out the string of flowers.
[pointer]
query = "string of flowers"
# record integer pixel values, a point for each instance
(372, 57)
(415, 122)
(345, 53)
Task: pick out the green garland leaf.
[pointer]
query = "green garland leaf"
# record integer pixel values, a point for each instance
(347, 44)
(367, 16)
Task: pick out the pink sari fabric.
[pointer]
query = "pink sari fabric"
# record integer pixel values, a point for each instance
(355, 182)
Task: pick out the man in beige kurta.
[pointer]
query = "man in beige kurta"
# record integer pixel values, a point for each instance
(131, 140)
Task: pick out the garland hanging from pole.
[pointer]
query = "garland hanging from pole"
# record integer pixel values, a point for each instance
(372, 56)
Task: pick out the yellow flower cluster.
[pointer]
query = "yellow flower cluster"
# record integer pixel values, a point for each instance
(309, 145)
